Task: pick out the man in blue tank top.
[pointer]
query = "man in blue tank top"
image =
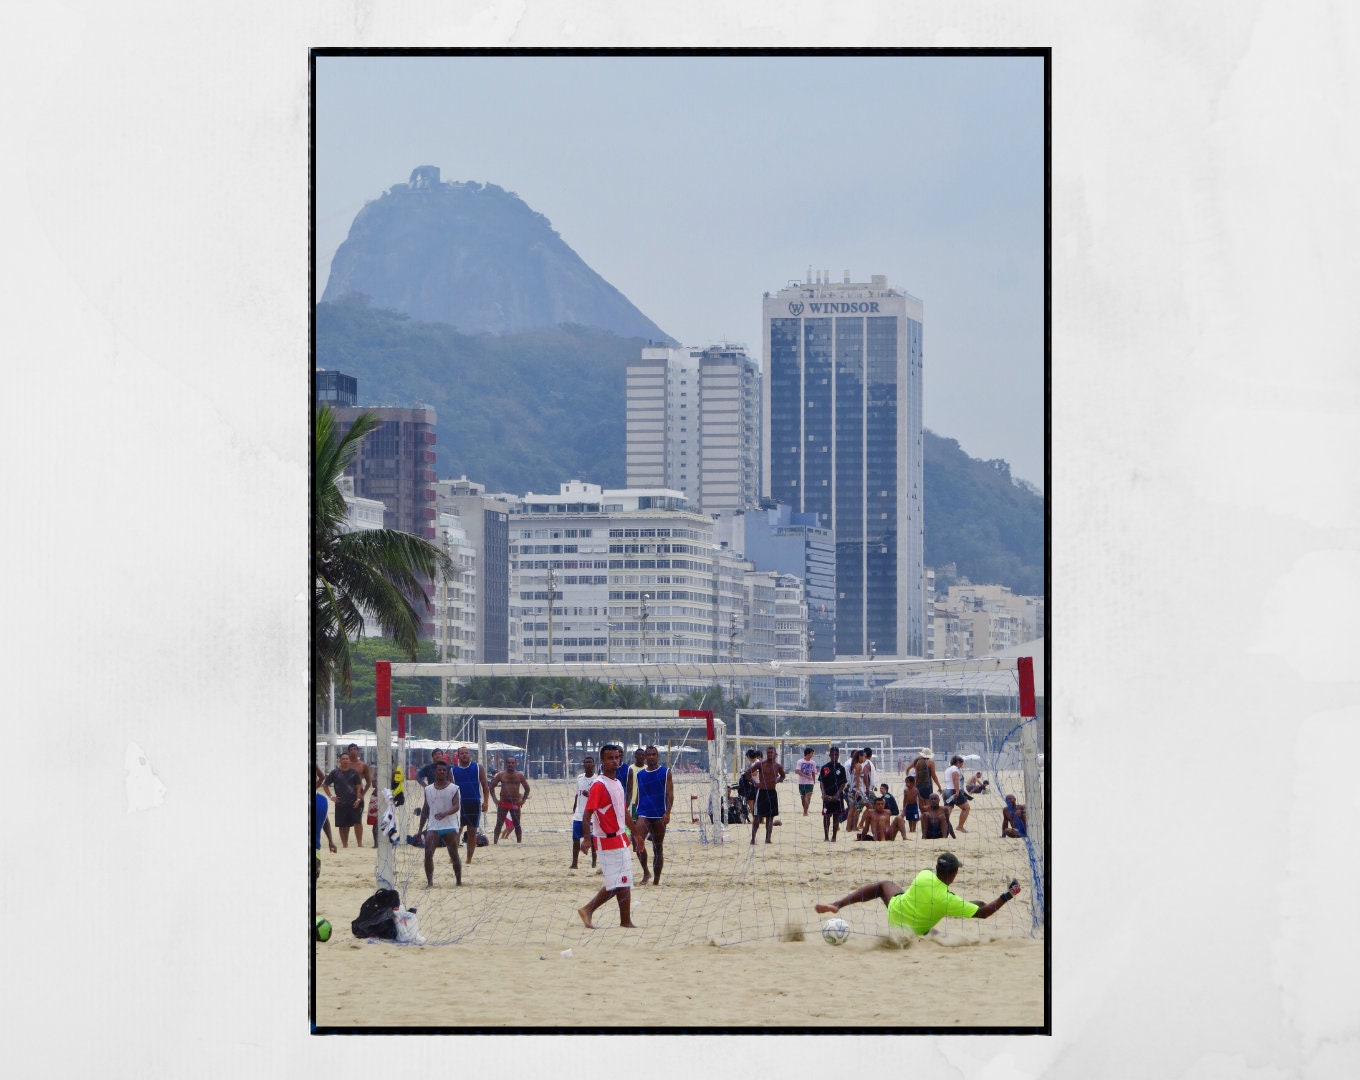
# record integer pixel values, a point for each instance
(655, 794)
(474, 794)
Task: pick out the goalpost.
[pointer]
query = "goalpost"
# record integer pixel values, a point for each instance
(724, 889)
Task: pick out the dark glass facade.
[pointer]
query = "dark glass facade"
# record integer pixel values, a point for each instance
(844, 413)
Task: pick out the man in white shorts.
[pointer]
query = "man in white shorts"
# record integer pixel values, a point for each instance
(605, 815)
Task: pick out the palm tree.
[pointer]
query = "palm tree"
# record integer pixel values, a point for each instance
(378, 573)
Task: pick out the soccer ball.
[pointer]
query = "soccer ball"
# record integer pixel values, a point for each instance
(835, 931)
(323, 929)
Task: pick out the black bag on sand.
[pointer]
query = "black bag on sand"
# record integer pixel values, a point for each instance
(375, 916)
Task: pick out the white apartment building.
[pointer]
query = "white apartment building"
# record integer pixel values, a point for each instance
(630, 576)
(455, 619)
(693, 425)
(983, 620)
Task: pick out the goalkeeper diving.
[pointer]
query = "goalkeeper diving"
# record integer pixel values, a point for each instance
(926, 900)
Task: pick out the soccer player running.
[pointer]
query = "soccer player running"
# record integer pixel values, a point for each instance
(833, 780)
(926, 900)
(579, 829)
(440, 819)
(655, 794)
(604, 816)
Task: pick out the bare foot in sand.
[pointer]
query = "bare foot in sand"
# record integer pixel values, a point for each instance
(628, 926)
(827, 909)
(585, 917)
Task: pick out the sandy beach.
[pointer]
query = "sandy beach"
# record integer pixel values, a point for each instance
(728, 939)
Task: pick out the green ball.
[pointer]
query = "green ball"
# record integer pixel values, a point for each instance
(323, 929)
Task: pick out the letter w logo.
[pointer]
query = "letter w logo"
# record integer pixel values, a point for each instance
(796, 309)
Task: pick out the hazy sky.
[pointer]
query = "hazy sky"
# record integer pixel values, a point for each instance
(695, 184)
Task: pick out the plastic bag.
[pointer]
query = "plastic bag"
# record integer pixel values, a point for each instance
(408, 930)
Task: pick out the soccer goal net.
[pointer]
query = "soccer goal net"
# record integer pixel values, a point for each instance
(726, 879)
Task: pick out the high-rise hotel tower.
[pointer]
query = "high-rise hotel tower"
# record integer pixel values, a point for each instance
(842, 439)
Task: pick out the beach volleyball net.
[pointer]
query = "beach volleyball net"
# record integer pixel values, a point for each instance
(717, 887)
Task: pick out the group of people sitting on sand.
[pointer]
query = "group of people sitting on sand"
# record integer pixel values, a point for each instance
(874, 814)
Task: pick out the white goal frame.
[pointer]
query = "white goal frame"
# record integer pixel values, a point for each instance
(385, 870)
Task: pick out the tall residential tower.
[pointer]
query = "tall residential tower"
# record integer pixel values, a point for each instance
(842, 439)
(694, 425)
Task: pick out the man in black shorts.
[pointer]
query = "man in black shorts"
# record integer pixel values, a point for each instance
(348, 795)
(832, 780)
(766, 774)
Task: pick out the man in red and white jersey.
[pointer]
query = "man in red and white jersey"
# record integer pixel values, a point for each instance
(605, 815)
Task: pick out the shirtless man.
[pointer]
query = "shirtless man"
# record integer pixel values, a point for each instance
(876, 821)
(655, 794)
(513, 795)
(926, 778)
(765, 775)
(977, 785)
(935, 820)
(911, 803)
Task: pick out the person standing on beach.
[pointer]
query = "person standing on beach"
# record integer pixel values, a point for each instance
(926, 778)
(871, 780)
(746, 787)
(833, 780)
(604, 816)
(343, 787)
(807, 777)
(765, 775)
(655, 795)
(579, 829)
(954, 795)
(474, 795)
(321, 807)
(858, 801)
(357, 763)
(926, 900)
(440, 819)
(911, 803)
(510, 802)
(426, 772)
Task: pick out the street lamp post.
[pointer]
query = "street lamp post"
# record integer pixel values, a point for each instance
(552, 596)
(643, 619)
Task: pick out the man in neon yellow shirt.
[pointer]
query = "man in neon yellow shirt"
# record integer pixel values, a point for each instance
(927, 900)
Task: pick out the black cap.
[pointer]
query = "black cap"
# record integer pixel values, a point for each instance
(947, 862)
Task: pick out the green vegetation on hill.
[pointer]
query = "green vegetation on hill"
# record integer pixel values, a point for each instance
(517, 412)
(525, 412)
(989, 526)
